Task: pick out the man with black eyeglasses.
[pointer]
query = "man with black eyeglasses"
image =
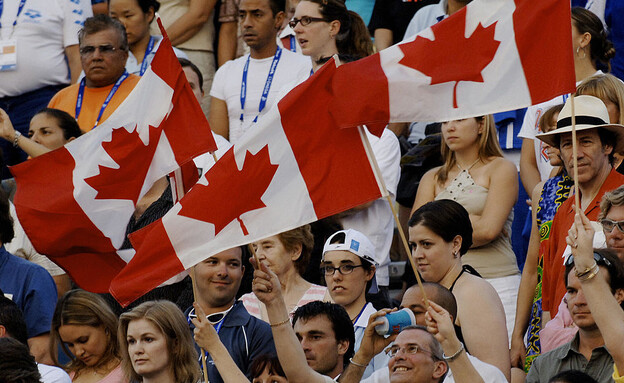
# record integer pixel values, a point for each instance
(217, 279)
(103, 54)
(586, 352)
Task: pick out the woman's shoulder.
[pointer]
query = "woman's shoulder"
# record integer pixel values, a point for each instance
(473, 286)
(495, 164)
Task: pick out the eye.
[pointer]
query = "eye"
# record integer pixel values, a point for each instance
(30, 133)
(131, 341)
(412, 349)
(149, 339)
(348, 268)
(412, 246)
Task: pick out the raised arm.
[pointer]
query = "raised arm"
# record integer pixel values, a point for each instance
(603, 305)
(9, 133)
(502, 195)
(267, 288)
(207, 338)
(527, 288)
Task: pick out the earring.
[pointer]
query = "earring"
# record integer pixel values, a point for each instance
(577, 52)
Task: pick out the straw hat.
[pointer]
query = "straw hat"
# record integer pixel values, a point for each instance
(591, 113)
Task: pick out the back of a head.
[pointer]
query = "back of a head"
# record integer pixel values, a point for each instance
(442, 296)
(336, 314)
(168, 318)
(17, 365)
(12, 319)
(447, 219)
(572, 376)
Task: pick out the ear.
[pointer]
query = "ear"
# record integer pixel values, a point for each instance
(279, 19)
(334, 28)
(150, 15)
(457, 243)
(343, 347)
(371, 273)
(481, 124)
(71, 139)
(296, 252)
(607, 149)
(585, 40)
(619, 295)
(3, 332)
(439, 370)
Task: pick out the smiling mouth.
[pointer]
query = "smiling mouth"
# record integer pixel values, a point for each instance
(400, 369)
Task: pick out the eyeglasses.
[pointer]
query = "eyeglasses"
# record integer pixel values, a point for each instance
(411, 349)
(608, 225)
(597, 257)
(89, 50)
(344, 269)
(305, 20)
(213, 319)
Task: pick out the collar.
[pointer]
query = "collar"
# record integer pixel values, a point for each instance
(368, 310)
(238, 316)
(287, 31)
(573, 346)
(613, 180)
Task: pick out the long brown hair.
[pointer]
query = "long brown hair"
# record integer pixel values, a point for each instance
(488, 147)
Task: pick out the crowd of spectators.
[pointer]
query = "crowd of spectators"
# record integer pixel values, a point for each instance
(496, 303)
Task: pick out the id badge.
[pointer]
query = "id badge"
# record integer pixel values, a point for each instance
(8, 55)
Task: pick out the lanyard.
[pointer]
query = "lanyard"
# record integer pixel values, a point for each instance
(565, 97)
(360, 314)
(106, 101)
(148, 50)
(293, 44)
(267, 84)
(19, 11)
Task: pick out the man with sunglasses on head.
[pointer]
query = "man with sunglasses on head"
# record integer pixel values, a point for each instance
(103, 54)
(586, 352)
(244, 89)
(217, 279)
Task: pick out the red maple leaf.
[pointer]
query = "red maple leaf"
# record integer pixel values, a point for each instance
(133, 157)
(451, 56)
(231, 192)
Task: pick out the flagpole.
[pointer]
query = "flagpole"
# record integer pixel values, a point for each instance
(201, 349)
(574, 157)
(373, 162)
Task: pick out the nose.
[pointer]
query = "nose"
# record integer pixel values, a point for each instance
(246, 21)
(298, 28)
(417, 253)
(35, 137)
(580, 300)
(337, 275)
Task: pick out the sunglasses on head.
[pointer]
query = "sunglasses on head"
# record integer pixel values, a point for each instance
(600, 260)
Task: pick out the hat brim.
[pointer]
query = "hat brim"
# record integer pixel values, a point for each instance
(552, 139)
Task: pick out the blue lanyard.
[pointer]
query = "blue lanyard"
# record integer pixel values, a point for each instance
(565, 97)
(358, 316)
(293, 44)
(105, 104)
(267, 84)
(148, 50)
(19, 11)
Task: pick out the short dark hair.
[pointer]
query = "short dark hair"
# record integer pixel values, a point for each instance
(12, 319)
(572, 376)
(336, 314)
(187, 63)
(145, 5)
(615, 269)
(607, 137)
(17, 365)
(102, 22)
(266, 361)
(277, 6)
(442, 296)
(6, 221)
(66, 122)
(447, 219)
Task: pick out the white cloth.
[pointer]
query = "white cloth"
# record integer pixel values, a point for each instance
(134, 67)
(425, 17)
(203, 162)
(530, 128)
(287, 32)
(507, 290)
(377, 222)
(489, 373)
(50, 374)
(380, 360)
(291, 70)
(44, 29)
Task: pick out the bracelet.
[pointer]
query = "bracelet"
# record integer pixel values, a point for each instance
(17, 136)
(590, 274)
(287, 320)
(581, 274)
(357, 364)
(455, 355)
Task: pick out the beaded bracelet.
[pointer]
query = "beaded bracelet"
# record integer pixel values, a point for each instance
(17, 136)
(455, 355)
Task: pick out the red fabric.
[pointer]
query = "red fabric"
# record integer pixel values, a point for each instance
(553, 288)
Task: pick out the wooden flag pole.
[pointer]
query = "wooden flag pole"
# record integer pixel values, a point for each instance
(577, 197)
(203, 353)
(382, 186)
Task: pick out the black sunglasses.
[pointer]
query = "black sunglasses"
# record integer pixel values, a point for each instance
(597, 257)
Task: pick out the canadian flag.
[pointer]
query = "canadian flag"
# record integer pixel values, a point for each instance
(75, 202)
(293, 168)
(491, 56)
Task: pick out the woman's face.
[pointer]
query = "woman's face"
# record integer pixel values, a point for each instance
(346, 289)
(87, 343)
(461, 134)
(432, 254)
(45, 130)
(272, 252)
(132, 17)
(147, 347)
(318, 37)
(554, 155)
(268, 377)
(614, 112)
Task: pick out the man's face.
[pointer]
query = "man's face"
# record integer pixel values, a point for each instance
(593, 157)
(412, 299)
(219, 277)
(615, 238)
(258, 24)
(318, 340)
(193, 80)
(104, 60)
(577, 304)
(419, 367)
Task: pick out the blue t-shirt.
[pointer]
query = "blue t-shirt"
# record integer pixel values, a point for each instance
(32, 288)
(364, 8)
(614, 11)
